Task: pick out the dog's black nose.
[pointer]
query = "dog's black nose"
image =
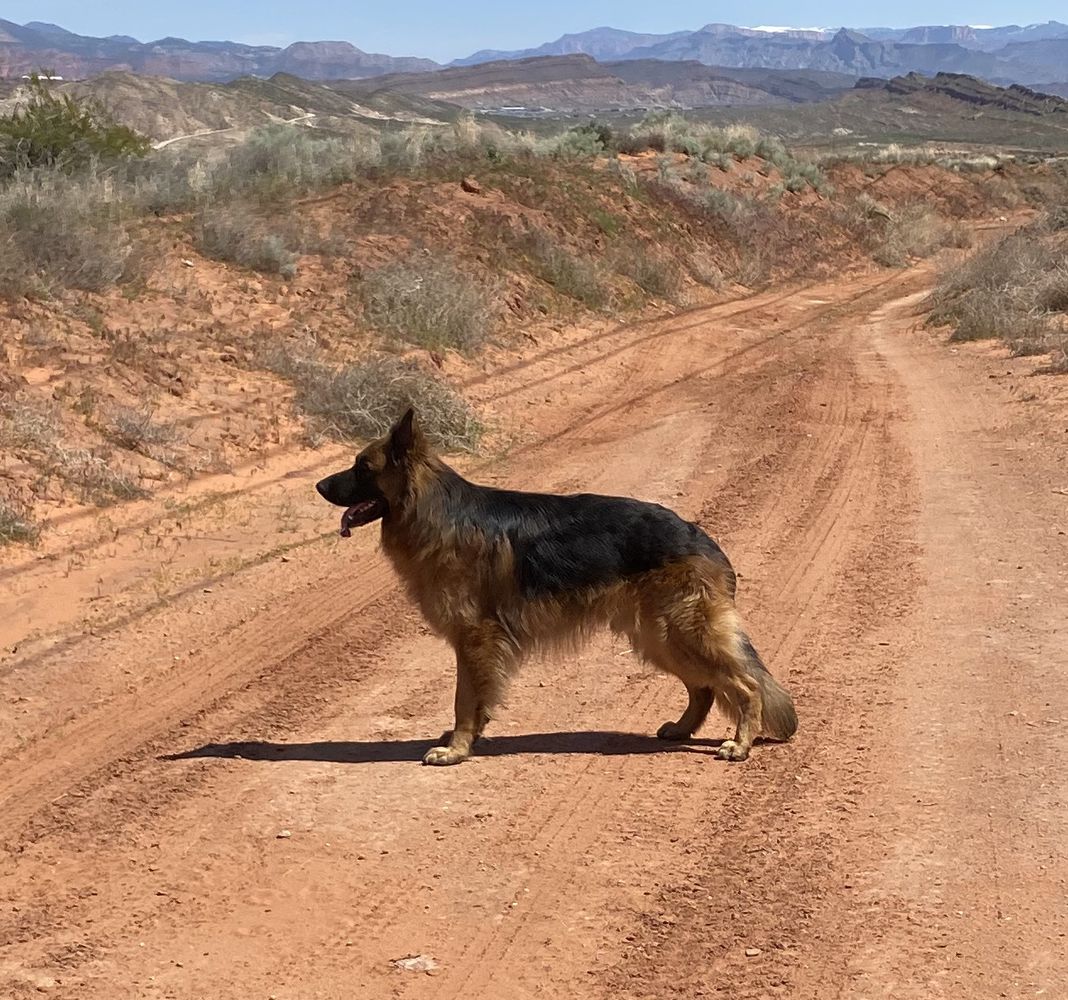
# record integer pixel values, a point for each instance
(321, 488)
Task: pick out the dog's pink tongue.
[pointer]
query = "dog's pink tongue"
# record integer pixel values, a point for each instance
(346, 530)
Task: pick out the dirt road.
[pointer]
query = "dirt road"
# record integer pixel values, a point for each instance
(216, 794)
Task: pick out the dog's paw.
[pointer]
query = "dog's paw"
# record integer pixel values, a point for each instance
(441, 756)
(729, 750)
(672, 731)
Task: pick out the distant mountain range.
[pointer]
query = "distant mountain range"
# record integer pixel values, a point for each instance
(35, 46)
(1011, 54)
(1031, 54)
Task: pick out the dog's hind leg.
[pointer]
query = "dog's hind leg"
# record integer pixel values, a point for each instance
(742, 694)
(693, 718)
(484, 657)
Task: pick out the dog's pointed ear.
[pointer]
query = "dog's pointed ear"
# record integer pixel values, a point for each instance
(402, 437)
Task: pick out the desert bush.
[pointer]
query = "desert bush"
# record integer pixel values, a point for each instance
(624, 172)
(729, 208)
(578, 145)
(362, 400)
(797, 176)
(412, 148)
(280, 159)
(35, 432)
(17, 523)
(913, 231)
(27, 427)
(1051, 288)
(583, 141)
(1057, 218)
(1000, 269)
(1007, 291)
(655, 274)
(705, 269)
(98, 479)
(137, 429)
(742, 147)
(65, 133)
(60, 232)
(724, 161)
(985, 316)
(641, 141)
(429, 301)
(575, 277)
(751, 268)
(236, 235)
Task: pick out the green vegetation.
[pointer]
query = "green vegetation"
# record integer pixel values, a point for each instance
(65, 133)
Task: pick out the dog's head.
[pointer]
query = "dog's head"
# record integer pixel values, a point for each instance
(378, 480)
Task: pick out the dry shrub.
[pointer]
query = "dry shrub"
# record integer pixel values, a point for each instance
(137, 429)
(913, 231)
(429, 301)
(60, 232)
(36, 433)
(656, 275)
(239, 236)
(96, 476)
(705, 269)
(1009, 290)
(25, 427)
(1051, 289)
(570, 275)
(361, 401)
(17, 523)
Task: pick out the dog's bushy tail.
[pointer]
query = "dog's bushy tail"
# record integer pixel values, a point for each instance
(779, 719)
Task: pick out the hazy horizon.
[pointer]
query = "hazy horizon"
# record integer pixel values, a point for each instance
(432, 31)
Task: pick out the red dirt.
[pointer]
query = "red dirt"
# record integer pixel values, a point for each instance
(897, 514)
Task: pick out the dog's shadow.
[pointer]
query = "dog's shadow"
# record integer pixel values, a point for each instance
(602, 744)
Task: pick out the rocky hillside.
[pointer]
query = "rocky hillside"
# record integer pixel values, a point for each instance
(169, 110)
(972, 91)
(579, 83)
(25, 48)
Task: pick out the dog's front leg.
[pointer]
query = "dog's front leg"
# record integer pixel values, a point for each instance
(468, 722)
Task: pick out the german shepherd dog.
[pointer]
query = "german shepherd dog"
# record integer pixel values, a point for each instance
(501, 574)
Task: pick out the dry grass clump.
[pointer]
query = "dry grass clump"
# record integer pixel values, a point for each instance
(239, 236)
(1014, 290)
(912, 231)
(35, 432)
(573, 276)
(362, 400)
(428, 301)
(57, 232)
(705, 269)
(94, 475)
(658, 276)
(137, 429)
(17, 523)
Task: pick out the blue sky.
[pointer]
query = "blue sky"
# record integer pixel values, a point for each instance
(446, 31)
